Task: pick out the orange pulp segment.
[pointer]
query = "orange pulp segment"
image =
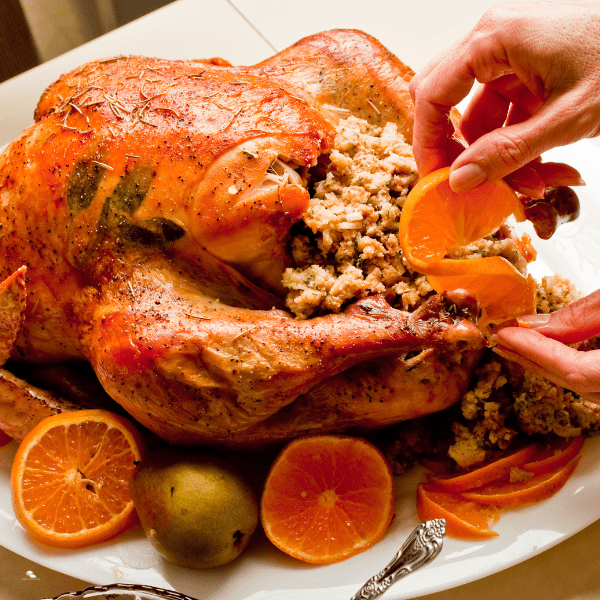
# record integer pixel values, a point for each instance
(70, 478)
(465, 500)
(327, 497)
(435, 222)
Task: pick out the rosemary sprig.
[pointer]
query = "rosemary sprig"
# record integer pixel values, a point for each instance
(374, 107)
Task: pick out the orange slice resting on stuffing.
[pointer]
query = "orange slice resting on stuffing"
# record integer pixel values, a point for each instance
(553, 458)
(327, 497)
(538, 488)
(70, 478)
(485, 474)
(435, 222)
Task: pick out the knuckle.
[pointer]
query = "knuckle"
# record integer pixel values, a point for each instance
(569, 318)
(497, 17)
(577, 382)
(510, 150)
(491, 19)
(584, 376)
(413, 87)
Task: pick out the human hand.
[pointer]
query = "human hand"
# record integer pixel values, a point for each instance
(540, 70)
(540, 346)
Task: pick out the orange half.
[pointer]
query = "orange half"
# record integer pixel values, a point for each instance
(70, 478)
(327, 497)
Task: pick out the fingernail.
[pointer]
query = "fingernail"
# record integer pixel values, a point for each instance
(505, 352)
(505, 324)
(466, 178)
(499, 342)
(534, 321)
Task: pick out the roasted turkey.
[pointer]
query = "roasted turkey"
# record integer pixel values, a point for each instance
(141, 232)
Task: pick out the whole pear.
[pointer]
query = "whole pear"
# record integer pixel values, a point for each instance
(198, 510)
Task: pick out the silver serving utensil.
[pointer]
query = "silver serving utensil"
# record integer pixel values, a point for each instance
(128, 591)
(421, 547)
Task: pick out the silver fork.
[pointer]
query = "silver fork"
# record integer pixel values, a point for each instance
(420, 548)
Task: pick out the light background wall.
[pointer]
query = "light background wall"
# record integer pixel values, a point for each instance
(58, 26)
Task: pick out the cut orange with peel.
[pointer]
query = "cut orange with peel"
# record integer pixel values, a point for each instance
(70, 478)
(436, 222)
(471, 503)
(327, 497)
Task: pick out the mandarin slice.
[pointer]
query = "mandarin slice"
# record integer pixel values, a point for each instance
(70, 478)
(502, 291)
(552, 459)
(327, 497)
(485, 474)
(536, 489)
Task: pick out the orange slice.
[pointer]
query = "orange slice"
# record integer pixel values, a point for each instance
(464, 519)
(435, 222)
(550, 460)
(487, 473)
(502, 291)
(70, 478)
(536, 489)
(327, 497)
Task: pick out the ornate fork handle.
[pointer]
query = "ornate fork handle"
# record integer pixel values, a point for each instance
(130, 591)
(421, 547)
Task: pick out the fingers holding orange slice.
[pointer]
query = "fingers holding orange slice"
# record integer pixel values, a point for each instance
(435, 222)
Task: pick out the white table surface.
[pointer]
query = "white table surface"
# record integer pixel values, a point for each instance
(245, 32)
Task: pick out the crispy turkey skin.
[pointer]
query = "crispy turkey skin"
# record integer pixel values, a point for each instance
(143, 204)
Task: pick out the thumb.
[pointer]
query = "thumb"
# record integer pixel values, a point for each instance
(576, 322)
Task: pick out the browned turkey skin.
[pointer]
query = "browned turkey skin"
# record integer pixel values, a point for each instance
(155, 240)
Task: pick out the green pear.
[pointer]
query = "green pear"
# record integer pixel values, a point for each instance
(198, 510)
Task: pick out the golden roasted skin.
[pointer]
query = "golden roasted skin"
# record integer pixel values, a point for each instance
(343, 72)
(151, 203)
(208, 365)
(12, 307)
